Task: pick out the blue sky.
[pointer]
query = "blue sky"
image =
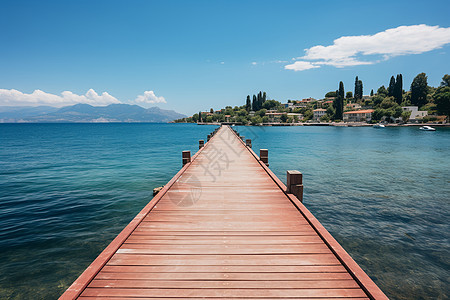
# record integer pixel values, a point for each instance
(194, 55)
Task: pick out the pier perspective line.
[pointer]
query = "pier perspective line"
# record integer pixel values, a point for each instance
(225, 227)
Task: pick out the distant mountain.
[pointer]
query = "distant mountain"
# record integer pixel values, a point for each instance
(81, 113)
(20, 112)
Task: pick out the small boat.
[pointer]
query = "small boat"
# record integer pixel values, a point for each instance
(427, 128)
(378, 126)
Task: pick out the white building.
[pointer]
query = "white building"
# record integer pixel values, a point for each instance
(358, 115)
(318, 113)
(416, 114)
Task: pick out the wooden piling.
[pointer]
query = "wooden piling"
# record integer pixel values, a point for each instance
(201, 144)
(186, 157)
(295, 184)
(248, 143)
(264, 156)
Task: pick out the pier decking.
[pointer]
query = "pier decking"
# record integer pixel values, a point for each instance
(223, 228)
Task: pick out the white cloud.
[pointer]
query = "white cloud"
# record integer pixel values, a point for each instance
(149, 97)
(370, 49)
(222, 62)
(38, 97)
(301, 66)
(254, 63)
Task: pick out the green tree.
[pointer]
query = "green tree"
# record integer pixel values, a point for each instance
(371, 93)
(200, 119)
(445, 80)
(264, 97)
(442, 100)
(270, 104)
(331, 112)
(261, 112)
(260, 100)
(388, 103)
(254, 103)
(242, 112)
(391, 87)
(307, 114)
(248, 104)
(349, 95)
(338, 105)
(405, 115)
(330, 94)
(283, 118)
(341, 90)
(419, 88)
(382, 91)
(358, 89)
(265, 119)
(256, 120)
(398, 89)
(195, 118)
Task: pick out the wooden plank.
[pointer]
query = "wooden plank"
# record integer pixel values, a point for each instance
(202, 298)
(222, 276)
(223, 249)
(262, 269)
(224, 284)
(220, 240)
(219, 260)
(255, 293)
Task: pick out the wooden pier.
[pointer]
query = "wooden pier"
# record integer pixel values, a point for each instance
(225, 227)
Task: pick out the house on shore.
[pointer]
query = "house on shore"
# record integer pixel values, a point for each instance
(274, 117)
(318, 113)
(358, 115)
(416, 114)
(353, 106)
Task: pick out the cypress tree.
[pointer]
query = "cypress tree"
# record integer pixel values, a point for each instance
(391, 87)
(360, 87)
(371, 93)
(398, 89)
(264, 97)
(254, 104)
(248, 104)
(200, 116)
(260, 100)
(341, 90)
(338, 104)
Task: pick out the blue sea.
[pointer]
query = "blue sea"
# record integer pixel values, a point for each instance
(66, 190)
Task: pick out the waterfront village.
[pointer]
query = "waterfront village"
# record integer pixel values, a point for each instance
(392, 106)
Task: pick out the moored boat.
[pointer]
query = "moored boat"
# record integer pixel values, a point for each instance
(427, 128)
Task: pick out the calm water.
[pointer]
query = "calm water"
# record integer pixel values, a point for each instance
(66, 190)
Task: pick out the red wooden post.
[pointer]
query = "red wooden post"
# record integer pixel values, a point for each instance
(295, 184)
(264, 156)
(186, 157)
(248, 143)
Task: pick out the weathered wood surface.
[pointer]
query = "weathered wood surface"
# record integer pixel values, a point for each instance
(224, 228)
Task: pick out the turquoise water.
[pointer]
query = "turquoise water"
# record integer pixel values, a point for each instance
(66, 190)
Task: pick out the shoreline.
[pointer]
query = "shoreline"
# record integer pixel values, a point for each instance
(348, 124)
